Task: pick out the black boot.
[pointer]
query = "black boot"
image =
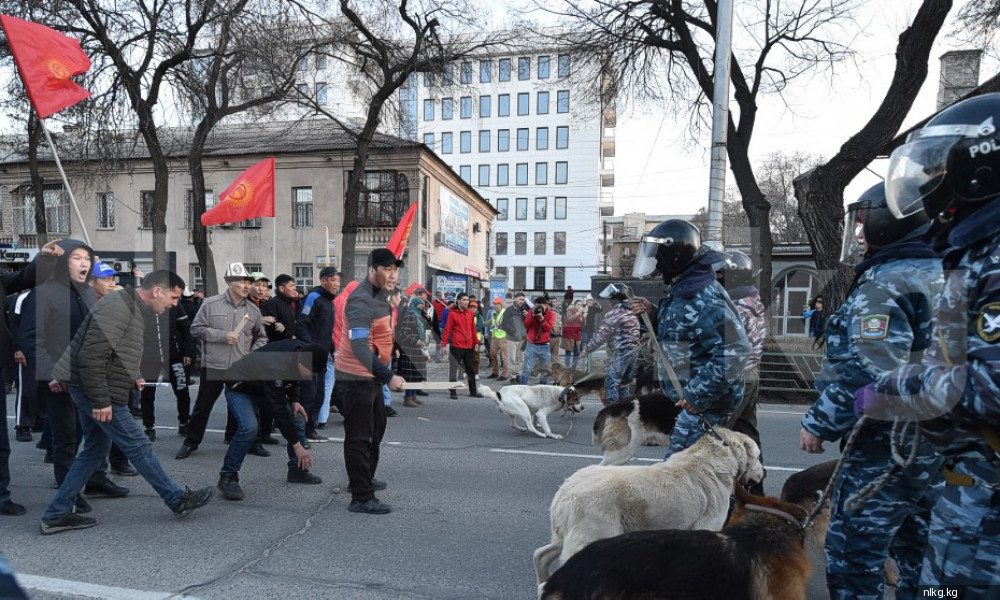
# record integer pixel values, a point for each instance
(473, 392)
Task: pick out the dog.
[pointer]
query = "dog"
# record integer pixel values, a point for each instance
(759, 554)
(531, 402)
(623, 426)
(566, 376)
(690, 490)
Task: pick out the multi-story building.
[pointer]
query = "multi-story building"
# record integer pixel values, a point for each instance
(527, 129)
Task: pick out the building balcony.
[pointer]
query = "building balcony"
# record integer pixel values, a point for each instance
(373, 237)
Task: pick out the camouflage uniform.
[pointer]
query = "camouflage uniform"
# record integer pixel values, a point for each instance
(620, 330)
(702, 336)
(886, 318)
(956, 391)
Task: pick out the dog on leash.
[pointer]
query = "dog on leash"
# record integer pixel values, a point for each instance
(566, 376)
(620, 428)
(531, 403)
(759, 554)
(690, 490)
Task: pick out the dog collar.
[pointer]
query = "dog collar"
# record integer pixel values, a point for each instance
(776, 512)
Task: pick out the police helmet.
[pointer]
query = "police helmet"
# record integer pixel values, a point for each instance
(870, 225)
(955, 157)
(668, 248)
(736, 270)
(615, 291)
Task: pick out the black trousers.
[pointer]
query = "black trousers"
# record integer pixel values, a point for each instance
(179, 384)
(66, 432)
(464, 357)
(209, 389)
(364, 427)
(312, 395)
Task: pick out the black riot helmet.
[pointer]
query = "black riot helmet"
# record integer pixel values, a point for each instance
(870, 225)
(736, 271)
(668, 248)
(954, 159)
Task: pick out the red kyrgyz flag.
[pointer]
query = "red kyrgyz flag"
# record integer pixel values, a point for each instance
(249, 197)
(397, 243)
(46, 60)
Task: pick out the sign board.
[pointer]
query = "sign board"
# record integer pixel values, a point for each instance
(13, 255)
(450, 285)
(455, 224)
(498, 289)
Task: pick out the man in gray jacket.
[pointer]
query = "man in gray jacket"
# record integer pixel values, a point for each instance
(512, 322)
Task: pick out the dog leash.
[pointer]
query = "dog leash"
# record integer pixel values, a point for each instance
(828, 490)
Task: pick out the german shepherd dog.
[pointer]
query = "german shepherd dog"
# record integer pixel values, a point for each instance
(622, 427)
(565, 376)
(759, 554)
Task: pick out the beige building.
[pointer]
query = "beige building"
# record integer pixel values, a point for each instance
(314, 160)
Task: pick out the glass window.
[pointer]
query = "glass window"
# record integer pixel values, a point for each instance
(304, 90)
(522, 139)
(384, 198)
(504, 69)
(523, 103)
(484, 175)
(562, 174)
(465, 142)
(484, 140)
(521, 209)
(428, 110)
(503, 105)
(302, 207)
(562, 138)
(485, 71)
(564, 65)
(522, 173)
(448, 74)
(519, 278)
(465, 172)
(543, 67)
(466, 107)
(521, 242)
(501, 243)
(560, 209)
(539, 278)
(106, 210)
(321, 94)
(559, 277)
(523, 68)
(484, 106)
(466, 76)
(540, 250)
(543, 103)
(447, 108)
(321, 53)
(541, 206)
(542, 138)
(189, 208)
(429, 140)
(562, 101)
(559, 242)
(503, 174)
(502, 209)
(541, 173)
(303, 61)
(503, 140)
(446, 143)
(428, 79)
(303, 273)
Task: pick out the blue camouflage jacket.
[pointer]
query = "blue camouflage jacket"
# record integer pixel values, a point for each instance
(702, 336)
(885, 321)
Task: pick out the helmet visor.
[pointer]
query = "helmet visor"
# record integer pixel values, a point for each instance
(645, 257)
(916, 169)
(852, 247)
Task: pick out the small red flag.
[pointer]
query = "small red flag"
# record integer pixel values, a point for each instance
(249, 197)
(397, 243)
(46, 60)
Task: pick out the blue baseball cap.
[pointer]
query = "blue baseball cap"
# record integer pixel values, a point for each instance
(101, 270)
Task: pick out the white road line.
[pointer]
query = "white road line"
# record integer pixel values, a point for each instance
(66, 587)
(598, 457)
(781, 412)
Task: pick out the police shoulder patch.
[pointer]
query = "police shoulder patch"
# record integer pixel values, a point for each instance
(988, 324)
(874, 327)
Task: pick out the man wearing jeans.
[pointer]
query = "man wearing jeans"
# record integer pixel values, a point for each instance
(100, 367)
(538, 324)
(512, 323)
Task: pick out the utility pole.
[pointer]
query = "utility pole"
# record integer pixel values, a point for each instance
(720, 123)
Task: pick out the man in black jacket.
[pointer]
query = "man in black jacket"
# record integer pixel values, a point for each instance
(284, 306)
(315, 326)
(168, 349)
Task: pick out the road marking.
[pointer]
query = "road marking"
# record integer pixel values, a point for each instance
(781, 412)
(598, 457)
(66, 587)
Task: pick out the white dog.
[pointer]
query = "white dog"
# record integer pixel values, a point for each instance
(689, 491)
(531, 402)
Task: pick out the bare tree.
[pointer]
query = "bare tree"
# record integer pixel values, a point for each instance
(776, 174)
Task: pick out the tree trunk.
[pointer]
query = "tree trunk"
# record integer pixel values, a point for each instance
(820, 192)
(161, 177)
(352, 197)
(200, 232)
(37, 183)
(758, 211)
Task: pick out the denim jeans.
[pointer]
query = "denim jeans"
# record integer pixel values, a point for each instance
(328, 383)
(532, 353)
(97, 438)
(241, 406)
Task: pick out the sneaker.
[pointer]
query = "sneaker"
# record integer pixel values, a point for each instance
(269, 440)
(409, 402)
(229, 486)
(151, 434)
(193, 499)
(81, 506)
(125, 470)
(391, 412)
(48, 458)
(378, 485)
(321, 426)
(296, 475)
(371, 507)
(105, 487)
(258, 449)
(185, 451)
(315, 437)
(10, 508)
(66, 523)
(22, 434)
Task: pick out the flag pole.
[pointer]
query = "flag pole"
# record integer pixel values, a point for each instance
(69, 190)
(274, 248)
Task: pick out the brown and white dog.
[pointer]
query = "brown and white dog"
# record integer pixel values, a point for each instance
(690, 490)
(620, 428)
(566, 376)
(759, 554)
(531, 403)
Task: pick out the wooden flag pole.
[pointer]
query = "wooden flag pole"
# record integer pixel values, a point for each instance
(72, 199)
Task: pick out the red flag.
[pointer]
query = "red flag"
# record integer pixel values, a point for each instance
(46, 60)
(249, 197)
(397, 243)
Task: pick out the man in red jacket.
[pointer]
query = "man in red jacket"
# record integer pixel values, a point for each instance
(538, 325)
(460, 333)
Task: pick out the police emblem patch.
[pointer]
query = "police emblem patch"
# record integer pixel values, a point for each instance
(874, 327)
(988, 324)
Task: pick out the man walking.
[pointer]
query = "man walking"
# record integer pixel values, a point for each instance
(315, 326)
(512, 324)
(460, 333)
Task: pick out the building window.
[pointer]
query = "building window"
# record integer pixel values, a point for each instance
(466, 107)
(484, 140)
(501, 272)
(321, 54)
(448, 74)
(523, 103)
(385, 196)
(522, 209)
(502, 209)
(521, 243)
(543, 103)
(503, 174)
(56, 211)
(539, 278)
(504, 69)
(562, 101)
(523, 68)
(539, 243)
(503, 140)
(560, 208)
(105, 210)
(302, 208)
(428, 110)
(254, 223)
(446, 142)
(321, 93)
(501, 243)
(465, 172)
(447, 109)
(429, 140)
(503, 105)
(484, 106)
(522, 173)
(196, 280)
(562, 175)
(466, 76)
(559, 277)
(190, 214)
(465, 142)
(520, 278)
(542, 138)
(303, 90)
(562, 138)
(541, 205)
(303, 273)
(428, 79)
(543, 67)
(303, 60)
(541, 173)
(559, 242)
(485, 71)
(484, 175)
(564, 65)
(522, 139)
(145, 210)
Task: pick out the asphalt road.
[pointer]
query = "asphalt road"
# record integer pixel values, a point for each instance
(470, 498)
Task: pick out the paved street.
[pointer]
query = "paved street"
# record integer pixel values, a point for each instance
(470, 495)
